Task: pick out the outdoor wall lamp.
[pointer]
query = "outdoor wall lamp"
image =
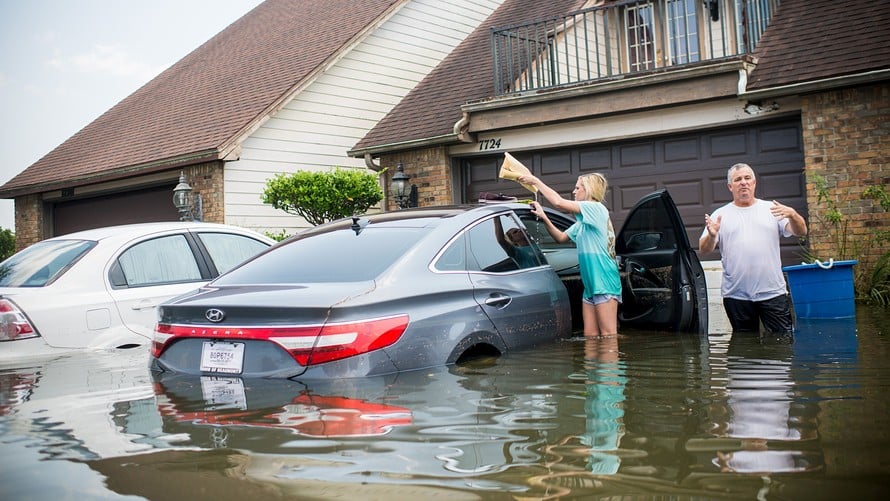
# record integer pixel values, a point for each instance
(190, 206)
(404, 194)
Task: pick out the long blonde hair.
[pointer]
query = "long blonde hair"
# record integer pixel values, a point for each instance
(595, 185)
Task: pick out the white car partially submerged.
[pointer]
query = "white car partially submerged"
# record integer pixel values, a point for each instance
(100, 288)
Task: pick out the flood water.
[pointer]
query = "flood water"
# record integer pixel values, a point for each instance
(643, 416)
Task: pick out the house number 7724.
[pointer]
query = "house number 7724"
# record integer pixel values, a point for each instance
(489, 144)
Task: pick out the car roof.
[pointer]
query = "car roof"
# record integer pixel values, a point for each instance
(415, 217)
(126, 231)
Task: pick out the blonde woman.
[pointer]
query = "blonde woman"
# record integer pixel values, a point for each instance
(595, 238)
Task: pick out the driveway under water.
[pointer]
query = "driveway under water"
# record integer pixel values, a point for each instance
(644, 415)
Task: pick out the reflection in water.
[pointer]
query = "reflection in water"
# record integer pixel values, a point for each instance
(760, 391)
(605, 404)
(285, 405)
(646, 415)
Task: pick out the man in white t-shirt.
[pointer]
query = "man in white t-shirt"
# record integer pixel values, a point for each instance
(748, 230)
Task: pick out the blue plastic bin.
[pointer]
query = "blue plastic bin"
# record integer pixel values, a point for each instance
(824, 291)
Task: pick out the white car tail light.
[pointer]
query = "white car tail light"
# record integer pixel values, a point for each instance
(13, 323)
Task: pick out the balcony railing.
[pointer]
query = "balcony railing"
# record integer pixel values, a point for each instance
(624, 38)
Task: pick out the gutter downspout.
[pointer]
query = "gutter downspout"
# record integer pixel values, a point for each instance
(460, 129)
(369, 163)
(381, 175)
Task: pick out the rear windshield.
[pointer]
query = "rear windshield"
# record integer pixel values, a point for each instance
(41, 263)
(336, 256)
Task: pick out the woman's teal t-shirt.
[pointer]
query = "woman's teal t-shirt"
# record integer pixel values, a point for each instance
(595, 239)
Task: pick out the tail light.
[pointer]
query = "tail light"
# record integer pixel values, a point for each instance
(13, 323)
(308, 345)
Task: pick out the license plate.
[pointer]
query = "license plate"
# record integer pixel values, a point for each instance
(223, 392)
(222, 357)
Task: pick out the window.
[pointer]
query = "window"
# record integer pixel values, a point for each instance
(682, 25)
(640, 40)
(496, 245)
(338, 255)
(227, 250)
(159, 261)
(674, 24)
(42, 262)
(454, 258)
(562, 257)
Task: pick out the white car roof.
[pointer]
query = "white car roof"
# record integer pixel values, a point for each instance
(127, 231)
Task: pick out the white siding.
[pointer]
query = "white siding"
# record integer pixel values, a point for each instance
(316, 129)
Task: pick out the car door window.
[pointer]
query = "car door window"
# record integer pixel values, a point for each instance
(499, 244)
(538, 232)
(561, 256)
(161, 260)
(227, 250)
(454, 257)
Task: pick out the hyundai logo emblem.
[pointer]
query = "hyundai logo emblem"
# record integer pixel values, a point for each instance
(215, 315)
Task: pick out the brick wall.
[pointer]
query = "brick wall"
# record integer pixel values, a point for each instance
(207, 180)
(846, 135)
(29, 221)
(430, 170)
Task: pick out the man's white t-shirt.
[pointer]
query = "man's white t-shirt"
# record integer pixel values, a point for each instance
(749, 250)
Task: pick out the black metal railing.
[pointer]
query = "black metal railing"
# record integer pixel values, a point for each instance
(622, 38)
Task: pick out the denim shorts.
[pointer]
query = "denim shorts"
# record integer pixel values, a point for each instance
(601, 298)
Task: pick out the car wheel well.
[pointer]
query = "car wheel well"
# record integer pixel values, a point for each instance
(478, 351)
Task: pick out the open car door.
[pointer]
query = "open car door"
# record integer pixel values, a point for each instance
(663, 283)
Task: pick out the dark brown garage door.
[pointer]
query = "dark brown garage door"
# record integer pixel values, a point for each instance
(139, 206)
(691, 166)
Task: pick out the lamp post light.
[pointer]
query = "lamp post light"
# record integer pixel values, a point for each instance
(190, 207)
(405, 195)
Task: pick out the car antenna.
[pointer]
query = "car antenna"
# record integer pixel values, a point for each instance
(358, 224)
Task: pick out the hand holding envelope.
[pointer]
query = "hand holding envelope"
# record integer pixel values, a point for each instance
(513, 169)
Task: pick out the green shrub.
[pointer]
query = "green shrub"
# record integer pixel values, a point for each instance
(319, 197)
(872, 279)
(7, 243)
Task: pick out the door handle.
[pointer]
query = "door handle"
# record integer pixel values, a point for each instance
(144, 305)
(499, 301)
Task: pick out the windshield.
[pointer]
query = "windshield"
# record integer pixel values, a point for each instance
(41, 263)
(335, 256)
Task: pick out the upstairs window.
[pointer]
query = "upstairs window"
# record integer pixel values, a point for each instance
(640, 36)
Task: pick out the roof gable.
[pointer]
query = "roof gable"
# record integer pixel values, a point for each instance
(195, 109)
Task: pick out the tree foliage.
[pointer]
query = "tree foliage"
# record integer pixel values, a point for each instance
(7, 243)
(319, 197)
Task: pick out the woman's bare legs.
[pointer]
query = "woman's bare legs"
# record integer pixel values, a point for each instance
(600, 320)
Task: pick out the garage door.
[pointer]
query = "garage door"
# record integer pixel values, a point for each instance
(691, 166)
(140, 206)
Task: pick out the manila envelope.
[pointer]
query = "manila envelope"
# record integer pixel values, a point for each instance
(512, 169)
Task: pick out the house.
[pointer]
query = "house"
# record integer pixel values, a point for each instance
(292, 85)
(652, 93)
(658, 94)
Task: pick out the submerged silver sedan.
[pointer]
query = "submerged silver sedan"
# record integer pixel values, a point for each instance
(417, 288)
